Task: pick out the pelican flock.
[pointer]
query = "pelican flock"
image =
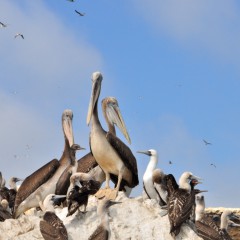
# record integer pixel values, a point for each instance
(69, 183)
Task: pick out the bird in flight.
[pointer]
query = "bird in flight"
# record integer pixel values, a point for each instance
(3, 25)
(19, 34)
(206, 143)
(213, 165)
(81, 14)
(71, 0)
(170, 162)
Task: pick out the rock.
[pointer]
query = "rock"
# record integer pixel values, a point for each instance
(133, 218)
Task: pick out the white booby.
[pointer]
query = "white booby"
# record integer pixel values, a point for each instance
(51, 227)
(181, 199)
(43, 182)
(103, 230)
(149, 179)
(112, 155)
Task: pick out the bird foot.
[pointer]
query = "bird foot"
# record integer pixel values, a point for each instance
(111, 194)
(100, 193)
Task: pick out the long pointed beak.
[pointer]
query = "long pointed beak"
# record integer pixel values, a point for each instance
(234, 217)
(60, 196)
(114, 114)
(77, 147)
(195, 177)
(96, 87)
(145, 152)
(67, 128)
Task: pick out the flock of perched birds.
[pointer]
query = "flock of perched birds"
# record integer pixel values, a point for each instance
(69, 182)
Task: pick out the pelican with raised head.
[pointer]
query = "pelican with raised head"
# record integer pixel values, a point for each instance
(43, 182)
(112, 155)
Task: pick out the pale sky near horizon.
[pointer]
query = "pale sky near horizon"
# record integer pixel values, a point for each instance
(174, 67)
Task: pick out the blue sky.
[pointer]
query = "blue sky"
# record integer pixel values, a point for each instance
(173, 66)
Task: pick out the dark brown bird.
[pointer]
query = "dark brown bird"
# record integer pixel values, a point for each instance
(79, 13)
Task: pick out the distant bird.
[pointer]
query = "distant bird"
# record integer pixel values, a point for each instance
(71, 0)
(51, 227)
(181, 200)
(19, 35)
(148, 183)
(112, 155)
(213, 165)
(170, 162)
(103, 230)
(206, 142)
(81, 14)
(44, 181)
(3, 25)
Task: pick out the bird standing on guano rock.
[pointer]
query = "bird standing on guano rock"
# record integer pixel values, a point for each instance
(180, 200)
(113, 116)
(103, 230)
(112, 155)
(43, 182)
(207, 228)
(150, 176)
(51, 227)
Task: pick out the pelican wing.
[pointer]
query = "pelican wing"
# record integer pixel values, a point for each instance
(63, 182)
(35, 180)
(126, 155)
(99, 234)
(86, 163)
(52, 227)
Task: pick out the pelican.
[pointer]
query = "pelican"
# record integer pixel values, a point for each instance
(112, 155)
(43, 182)
(51, 227)
(113, 116)
(180, 200)
(103, 230)
(207, 228)
(149, 179)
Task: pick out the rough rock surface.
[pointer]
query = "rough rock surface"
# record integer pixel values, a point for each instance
(132, 219)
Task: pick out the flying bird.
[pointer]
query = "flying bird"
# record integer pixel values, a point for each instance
(2, 24)
(19, 34)
(81, 14)
(206, 142)
(213, 165)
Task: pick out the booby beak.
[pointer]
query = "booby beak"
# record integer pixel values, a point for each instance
(56, 197)
(234, 217)
(114, 114)
(233, 224)
(67, 126)
(145, 152)
(192, 177)
(96, 87)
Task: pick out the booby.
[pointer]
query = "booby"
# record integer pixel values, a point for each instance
(112, 155)
(149, 179)
(51, 227)
(103, 230)
(180, 200)
(43, 182)
(207, 227)
(82, 185)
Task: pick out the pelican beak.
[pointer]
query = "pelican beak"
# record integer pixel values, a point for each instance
(96, 88)
(67, 126)
(114, 114)
(145, 152)
(234, 217)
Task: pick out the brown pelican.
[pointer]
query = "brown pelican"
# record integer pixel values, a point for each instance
(207, 228)
(19, 35)
(103, 230)
(43, 182)
(180, 200)
(113, 116)
(79, 13)
(112, 155)
(51, 227)
(149, 179)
